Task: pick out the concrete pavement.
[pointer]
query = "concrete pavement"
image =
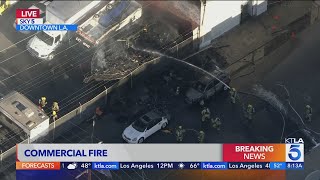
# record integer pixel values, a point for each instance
(5, 43)
(311, 162)
(256, 32)
(295, 65)
(110, 127)
(299, 72)
(59, 80)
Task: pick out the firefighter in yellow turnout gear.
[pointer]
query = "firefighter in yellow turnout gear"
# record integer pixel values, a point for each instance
(180, 133)
(205, 114)
(55, 107)
(216, 123)
(54, 115)
(205, 118)
(308, 114)
(233, 95)
(42, 102)
(201, 137)
(250, 111)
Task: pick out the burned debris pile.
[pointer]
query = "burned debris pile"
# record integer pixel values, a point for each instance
(124, 56)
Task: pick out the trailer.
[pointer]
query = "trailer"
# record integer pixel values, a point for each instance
(109, 19)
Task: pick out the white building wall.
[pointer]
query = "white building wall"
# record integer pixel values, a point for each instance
(218, 17)
(40, 130)
(257, 7)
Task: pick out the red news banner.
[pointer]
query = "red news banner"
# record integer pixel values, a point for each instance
(254, 152)
(28, 13)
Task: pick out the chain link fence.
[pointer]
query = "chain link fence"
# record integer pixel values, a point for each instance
(77, 116)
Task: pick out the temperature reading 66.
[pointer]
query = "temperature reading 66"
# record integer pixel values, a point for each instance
(194, 165)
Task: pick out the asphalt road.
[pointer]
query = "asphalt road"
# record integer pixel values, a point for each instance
(299, 72)
(110, 127)
(59, 80)
(34, 78)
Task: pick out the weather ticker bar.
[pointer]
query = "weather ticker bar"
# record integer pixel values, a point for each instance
(160, 165)
(289, 156)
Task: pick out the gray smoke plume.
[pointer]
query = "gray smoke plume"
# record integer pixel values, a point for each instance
(270, 97)
(188, 9)
(99, 61)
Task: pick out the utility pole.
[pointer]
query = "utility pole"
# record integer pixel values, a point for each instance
(89, 174)
(88, 171)
(93, 124)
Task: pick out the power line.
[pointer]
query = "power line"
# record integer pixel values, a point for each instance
(100, 85)
(17, 42)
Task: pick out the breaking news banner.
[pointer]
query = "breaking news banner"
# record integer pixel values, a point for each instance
(30, 20)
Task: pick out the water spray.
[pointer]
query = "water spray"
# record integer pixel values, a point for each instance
(179, 60)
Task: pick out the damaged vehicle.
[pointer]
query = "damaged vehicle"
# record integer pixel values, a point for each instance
(206, 87)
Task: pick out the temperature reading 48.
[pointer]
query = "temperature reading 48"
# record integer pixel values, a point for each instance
(85, 165)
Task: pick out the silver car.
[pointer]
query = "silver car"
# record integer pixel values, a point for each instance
(145, 126)
(206, 87)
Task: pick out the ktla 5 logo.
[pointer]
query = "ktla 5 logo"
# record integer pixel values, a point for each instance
(294, 153)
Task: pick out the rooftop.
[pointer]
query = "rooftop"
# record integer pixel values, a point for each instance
(52, 33)
(66, 9)
(22, 111)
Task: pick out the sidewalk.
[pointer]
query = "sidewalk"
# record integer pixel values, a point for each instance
(5, 43)
(246, 42)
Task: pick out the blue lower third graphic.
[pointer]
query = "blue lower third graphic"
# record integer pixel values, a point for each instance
(105, 165)
(214, 165)
(46, 27)
(295, 165)
(277, 165)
